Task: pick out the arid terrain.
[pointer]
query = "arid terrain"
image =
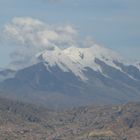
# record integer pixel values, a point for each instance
(69, 69)
(20, 121)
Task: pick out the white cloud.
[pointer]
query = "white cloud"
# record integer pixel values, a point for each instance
(32, 36)
(32, 32)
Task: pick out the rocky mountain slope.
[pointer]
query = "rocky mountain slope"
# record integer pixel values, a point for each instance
(75, 77)
(30, 122)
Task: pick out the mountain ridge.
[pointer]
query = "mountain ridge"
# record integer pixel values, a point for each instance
(75, 77)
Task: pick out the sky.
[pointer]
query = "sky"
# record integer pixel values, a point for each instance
(112, 23)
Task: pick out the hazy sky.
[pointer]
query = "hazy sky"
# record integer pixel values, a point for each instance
(112, 23)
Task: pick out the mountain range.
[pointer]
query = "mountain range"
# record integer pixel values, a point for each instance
(74, 77)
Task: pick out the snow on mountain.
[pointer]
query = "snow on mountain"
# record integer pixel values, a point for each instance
(137, 65)
(60, 58)
(87, 56)
(75, 77)
(77, 59)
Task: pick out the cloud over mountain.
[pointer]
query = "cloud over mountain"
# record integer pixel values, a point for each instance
(32, 32)
(32, 36)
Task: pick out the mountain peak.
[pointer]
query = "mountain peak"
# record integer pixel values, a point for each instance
(76, 76)
(92, 52)
(77, 59)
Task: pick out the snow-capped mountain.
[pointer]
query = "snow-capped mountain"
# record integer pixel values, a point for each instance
(77, 60)
(137, 65)
(76, 76)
